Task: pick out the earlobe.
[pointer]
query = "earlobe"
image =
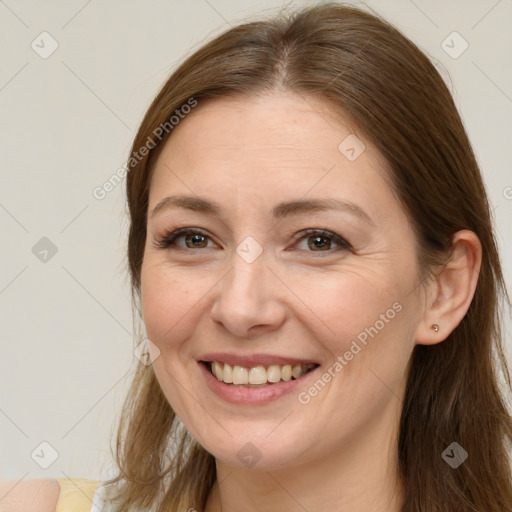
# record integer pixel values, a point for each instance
(452, 290)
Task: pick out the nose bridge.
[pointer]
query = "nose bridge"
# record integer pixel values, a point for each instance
(248, 269)
(245, 283)
(246, 297)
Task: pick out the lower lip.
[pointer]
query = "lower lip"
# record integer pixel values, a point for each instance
(252, 396)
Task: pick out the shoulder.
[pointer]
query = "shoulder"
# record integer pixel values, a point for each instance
(37, 495)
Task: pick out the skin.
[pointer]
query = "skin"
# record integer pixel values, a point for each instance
(36, 495)
(338, 452)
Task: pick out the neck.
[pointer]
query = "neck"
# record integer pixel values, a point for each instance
(361, 475)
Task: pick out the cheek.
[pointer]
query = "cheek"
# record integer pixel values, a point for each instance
(364, 318)
(365, 329)
(166, 307)
(348, 301)
(166, 303)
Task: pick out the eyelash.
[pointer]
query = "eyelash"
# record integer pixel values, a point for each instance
(167, 240)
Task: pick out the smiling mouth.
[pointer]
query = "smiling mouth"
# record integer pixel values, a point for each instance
(257, 376)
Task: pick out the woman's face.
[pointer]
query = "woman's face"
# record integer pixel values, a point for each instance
(249, 287)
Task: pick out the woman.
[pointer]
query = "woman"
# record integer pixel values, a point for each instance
(312, 255)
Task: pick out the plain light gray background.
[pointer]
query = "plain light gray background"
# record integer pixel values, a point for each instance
(68, 120)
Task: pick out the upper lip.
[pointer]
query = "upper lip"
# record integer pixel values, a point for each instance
(249, 361)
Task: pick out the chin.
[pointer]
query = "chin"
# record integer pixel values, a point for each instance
(256, 450)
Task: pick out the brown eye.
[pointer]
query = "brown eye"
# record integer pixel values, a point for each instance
(318, 240)
(194, 239)
(321, 240)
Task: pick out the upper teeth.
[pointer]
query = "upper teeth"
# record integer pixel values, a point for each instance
(257, 374)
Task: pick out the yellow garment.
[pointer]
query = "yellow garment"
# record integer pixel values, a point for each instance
(76, 494)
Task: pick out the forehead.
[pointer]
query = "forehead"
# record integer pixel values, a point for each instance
(275, 121)
(266, 146)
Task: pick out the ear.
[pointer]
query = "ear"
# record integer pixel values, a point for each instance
(451, 291)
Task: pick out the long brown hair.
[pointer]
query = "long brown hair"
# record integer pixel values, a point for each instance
(367, 70)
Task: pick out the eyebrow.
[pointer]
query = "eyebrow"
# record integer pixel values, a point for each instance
(281, 210)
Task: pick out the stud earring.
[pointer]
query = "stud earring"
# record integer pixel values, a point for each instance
(435, 327)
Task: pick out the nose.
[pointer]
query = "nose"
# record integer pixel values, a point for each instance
(248, 300)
